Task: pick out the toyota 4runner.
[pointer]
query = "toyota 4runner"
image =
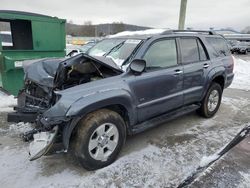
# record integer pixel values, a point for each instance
(90, 102)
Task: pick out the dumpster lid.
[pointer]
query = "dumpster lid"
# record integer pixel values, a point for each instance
(25, 13)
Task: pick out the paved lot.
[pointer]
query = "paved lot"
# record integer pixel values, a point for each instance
(160, 157)
(232, 170)
(243, 56)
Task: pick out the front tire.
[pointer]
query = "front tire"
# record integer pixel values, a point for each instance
(211, 102)
(99, 139)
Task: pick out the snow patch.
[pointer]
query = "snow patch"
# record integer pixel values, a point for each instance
(19, 128)
(206, 160)
(7, 102)
(235, 104)
(241, 74)
(141, 32)
(242, 134)
(245, 180)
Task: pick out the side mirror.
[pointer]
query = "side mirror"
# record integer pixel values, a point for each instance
(137, 66)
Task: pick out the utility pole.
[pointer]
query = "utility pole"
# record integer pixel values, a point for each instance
(182, 14)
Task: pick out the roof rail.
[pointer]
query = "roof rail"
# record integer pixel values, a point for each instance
(189, 31)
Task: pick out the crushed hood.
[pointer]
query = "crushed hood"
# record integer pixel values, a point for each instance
(43, 71)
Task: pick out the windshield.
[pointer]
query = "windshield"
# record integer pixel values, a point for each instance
(116, 49)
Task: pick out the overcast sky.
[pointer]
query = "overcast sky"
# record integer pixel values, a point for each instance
(201, 14)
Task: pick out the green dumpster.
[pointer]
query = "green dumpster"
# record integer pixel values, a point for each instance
(25, 36)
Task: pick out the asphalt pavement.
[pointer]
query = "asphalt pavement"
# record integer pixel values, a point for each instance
(160, 157)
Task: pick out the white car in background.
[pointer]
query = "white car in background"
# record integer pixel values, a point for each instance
(72, 50)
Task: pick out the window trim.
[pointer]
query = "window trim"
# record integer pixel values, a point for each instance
(204, 48)
(158, 40)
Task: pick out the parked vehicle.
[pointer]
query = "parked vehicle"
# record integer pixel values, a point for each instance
(240, 48)
(74, 50)
(91, 102)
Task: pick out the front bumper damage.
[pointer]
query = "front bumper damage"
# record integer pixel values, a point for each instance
(41, 138)
(21, 117)
(42, 143)
(48, 132)
(27, 109)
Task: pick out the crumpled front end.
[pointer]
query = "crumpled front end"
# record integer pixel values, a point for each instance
(42, 143)
(36, 96)
(31, 101)
(49, 92)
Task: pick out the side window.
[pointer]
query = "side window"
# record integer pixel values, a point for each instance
(189, 50)
(203, 56)
(219, 45)
(161, 54)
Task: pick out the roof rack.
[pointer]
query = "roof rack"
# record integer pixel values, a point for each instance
(189, 31)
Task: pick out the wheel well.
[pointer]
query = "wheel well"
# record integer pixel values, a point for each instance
(121, 110)
(220, 80)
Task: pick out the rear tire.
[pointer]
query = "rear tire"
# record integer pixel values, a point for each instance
(211, 102)
(99, 139)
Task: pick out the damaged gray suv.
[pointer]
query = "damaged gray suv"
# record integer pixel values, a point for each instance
(90, 102)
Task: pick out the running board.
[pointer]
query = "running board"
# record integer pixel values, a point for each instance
(164, 118)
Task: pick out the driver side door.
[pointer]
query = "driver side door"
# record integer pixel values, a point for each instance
(160, 88)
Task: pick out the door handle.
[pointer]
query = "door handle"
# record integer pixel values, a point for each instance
(178, 71)
(205, 65)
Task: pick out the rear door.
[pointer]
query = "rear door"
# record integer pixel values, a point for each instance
(195, 63)
(159, 88)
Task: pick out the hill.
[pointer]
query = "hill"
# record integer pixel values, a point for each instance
(90, 30)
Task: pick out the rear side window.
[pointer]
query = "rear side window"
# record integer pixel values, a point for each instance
(161, 54)
(219, 45)
(189, 50)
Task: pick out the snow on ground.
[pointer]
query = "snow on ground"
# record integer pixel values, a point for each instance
(206, 160)
(232, 103)
(169, 154)
(142, 32)
(242, 74)
(245, 181)
(7, 102)
(161, 157)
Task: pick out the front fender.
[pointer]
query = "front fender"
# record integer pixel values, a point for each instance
(94, 101)
(101, 99)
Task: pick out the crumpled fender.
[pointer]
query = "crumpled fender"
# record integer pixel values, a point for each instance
(102, 98)
(98, 100)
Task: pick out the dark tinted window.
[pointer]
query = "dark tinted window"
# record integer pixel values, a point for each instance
(189, 50)
(203, 56)
(161, 54)
(16, 35)
(219, 46)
